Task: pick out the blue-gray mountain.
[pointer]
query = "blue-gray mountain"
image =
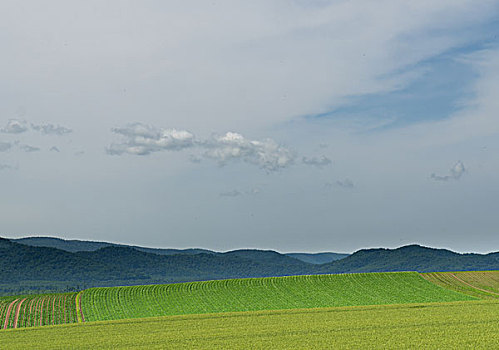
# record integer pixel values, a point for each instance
(74, 246)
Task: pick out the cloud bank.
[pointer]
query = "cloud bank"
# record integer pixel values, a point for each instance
(140, 139)
(18, 126)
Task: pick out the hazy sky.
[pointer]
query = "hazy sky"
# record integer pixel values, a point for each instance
(289, 125)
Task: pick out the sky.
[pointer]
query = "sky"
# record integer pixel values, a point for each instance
(287, 125)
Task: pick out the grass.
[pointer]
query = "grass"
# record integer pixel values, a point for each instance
(457, 325)
(254, 294)
(479, 284)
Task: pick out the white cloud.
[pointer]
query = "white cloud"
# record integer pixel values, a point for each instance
(317, 161)
(51, 129)
(141, 139)
(455, 173)
(15, 126)
(266, 154)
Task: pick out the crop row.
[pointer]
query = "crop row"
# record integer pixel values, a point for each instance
(262, 294)
(38, 310)
(480, 284)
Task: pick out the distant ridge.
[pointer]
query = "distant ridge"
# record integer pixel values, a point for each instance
(43, 269)
(318, 258)
(73, 246)
(412, 258)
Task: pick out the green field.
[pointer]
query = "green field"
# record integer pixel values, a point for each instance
(458, 325)
(254, 294)
(480, 284)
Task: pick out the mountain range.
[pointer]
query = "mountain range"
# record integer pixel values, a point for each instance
(30, 265)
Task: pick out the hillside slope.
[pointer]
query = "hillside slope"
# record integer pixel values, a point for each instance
(318, 258)
(412, 258)
(262, 294)
(480, 284)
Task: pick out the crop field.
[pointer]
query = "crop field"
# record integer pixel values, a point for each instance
(37, 310)
(480, 284)
(457, 325)
(254, 294)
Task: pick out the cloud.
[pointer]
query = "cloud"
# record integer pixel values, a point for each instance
(141, 139)
(15, 126)
(317, 161)
(51, 129)
(266, 154)
(455, 173)
(29, 149)
(238, 193)
(346, 183)
(233, 193)
(5, 146)
(54, 149)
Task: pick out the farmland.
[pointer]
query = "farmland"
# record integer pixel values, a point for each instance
(37, 310)
(454, 325)
(480, 284)
(254, 294)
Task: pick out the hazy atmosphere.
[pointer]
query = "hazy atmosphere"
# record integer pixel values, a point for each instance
(284, 125)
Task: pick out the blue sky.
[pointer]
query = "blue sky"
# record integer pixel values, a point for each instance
(276, 125)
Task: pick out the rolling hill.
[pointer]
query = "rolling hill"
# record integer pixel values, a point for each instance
(232, 295)
(26, 268)
(318, 258)
(271, 293)
(412, 258)
(73, 246)
(458, 325)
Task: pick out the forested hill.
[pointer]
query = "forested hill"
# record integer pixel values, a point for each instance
(25, 268)
(412, 258)
(73, 245)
